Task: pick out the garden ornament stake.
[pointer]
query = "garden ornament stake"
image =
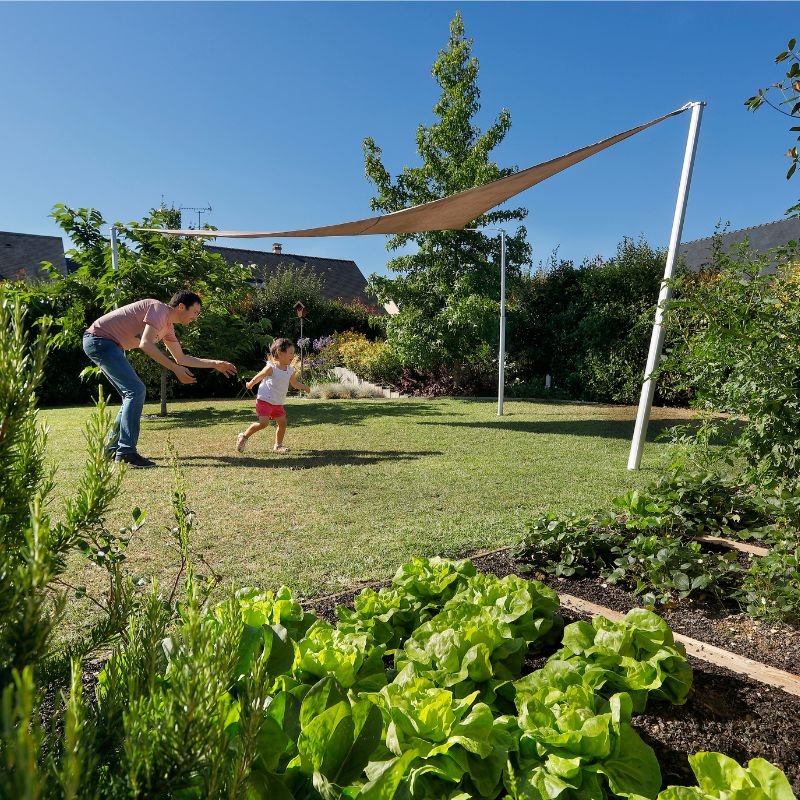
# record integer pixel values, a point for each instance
(301, 312)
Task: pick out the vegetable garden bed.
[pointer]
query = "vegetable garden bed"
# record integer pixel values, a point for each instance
(724, 712)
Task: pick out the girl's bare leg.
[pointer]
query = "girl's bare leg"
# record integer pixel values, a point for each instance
(280, 430)
(255, 427)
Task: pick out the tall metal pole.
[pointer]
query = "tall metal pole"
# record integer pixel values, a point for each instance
(657, 339)
(501, 356)
(501, 369)
(114, 252)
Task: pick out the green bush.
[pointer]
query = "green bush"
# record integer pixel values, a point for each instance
(588, 326)
(374, 361)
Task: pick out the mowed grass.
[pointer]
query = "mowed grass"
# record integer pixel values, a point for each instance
(367, 484)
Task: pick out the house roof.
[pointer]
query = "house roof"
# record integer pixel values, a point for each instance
(697, 254)
(341, 278)
(21, 255)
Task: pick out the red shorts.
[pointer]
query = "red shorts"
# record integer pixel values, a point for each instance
(265, 409)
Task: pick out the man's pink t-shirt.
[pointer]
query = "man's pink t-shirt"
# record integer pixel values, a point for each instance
(125, 325)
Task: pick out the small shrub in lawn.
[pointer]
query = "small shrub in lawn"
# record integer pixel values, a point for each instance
(343, 391)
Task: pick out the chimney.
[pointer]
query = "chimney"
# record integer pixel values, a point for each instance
(276, 247)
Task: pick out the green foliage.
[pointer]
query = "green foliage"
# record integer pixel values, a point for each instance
(589, 326)
(372, 361)
(150, 265)
(647, 549)
(722, 778)
(789, 90)
(448, 289)
(734, 335)
(34, 549)
(276, 297)
(569, 546)
(771, 587)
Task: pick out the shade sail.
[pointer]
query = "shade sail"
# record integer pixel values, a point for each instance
(449, 213)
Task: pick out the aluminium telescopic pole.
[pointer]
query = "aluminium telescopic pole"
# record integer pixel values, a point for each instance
(114, 252)
(657, 338)
(501, 369)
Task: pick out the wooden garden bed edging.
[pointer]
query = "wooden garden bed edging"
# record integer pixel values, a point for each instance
(742, 665)
(742, 547)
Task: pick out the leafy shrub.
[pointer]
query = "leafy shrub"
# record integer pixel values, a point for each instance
(771, 587)
(734, 333)
(372, 361)
(569, 546)
(587, 326)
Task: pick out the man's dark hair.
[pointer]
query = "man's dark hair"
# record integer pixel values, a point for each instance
(186, 297)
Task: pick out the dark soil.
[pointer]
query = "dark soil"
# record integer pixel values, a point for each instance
(724, 712)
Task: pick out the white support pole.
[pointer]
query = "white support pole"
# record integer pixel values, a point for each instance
(114, 252)
(501, 356)
(657, 339)
(501, 359)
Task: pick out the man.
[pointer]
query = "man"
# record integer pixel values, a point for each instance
(141, 325)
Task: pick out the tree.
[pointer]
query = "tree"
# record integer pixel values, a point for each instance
(448, 290)
(151, 265)
(789, 89)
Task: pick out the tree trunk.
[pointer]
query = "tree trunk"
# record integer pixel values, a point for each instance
(163, 412)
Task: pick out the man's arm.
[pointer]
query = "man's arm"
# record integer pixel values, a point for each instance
(148, 345)
(185, 360)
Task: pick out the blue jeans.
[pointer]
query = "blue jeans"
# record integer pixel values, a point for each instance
(110, 357)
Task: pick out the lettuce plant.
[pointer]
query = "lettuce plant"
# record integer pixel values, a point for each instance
(388, 615)
(638, 655)
(575, 745)
(433, 580)
(353, 659)
(260, 607)
(445, 743)
(483, 633)
(721, 778)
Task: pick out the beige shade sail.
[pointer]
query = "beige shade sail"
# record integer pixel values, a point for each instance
(449, 213)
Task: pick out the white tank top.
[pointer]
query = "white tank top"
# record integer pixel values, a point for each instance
(274, 387)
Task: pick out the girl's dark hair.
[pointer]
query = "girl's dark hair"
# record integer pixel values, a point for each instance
(186, 297)
(280, 346)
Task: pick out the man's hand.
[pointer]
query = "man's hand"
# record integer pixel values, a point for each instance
(183, 374)
(226, 368)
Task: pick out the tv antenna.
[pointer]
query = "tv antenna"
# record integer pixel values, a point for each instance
(199, 211)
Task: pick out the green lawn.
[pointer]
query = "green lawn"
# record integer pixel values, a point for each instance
(367, 484)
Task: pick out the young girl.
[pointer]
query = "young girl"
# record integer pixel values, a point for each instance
(274, 382)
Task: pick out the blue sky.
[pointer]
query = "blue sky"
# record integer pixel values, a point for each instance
(259, 109)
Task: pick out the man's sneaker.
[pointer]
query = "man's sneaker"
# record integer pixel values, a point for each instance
(134, 460)
(241, 442)
(280, 448)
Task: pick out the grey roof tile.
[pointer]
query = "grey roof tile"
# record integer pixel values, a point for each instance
(341, 278)
(697, 253)
(21, 255)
